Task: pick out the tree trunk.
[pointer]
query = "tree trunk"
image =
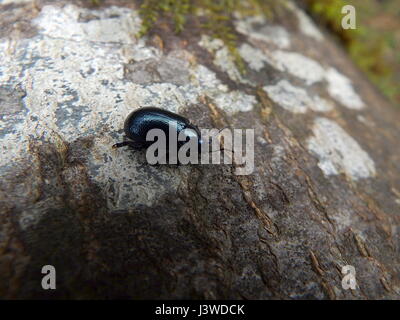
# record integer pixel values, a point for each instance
(325, 191)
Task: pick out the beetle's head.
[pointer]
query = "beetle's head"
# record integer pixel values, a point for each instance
(193, 132)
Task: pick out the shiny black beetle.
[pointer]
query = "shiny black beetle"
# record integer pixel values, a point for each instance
(141, 121)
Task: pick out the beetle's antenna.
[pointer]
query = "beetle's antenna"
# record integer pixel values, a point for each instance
(120, 144)
(223, 129)
(221, 149)
(132, 144)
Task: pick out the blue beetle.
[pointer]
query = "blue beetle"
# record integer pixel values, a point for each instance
(141, 121)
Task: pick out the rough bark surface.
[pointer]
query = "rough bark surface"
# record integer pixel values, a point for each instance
(325, 191)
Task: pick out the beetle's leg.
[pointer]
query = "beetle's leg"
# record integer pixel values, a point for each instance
(132, 144)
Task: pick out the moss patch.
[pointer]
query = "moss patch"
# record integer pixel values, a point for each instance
(215, 17)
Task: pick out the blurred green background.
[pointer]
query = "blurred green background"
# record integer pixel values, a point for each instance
(374, 45)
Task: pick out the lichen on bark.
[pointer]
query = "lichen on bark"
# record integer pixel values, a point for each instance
(214, 17)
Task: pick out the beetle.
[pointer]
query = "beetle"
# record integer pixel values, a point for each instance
(141, 121)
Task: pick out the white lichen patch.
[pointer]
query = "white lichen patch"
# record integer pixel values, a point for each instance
(279, 153)
(74, 74)
(275, 34)
(343, 219)
(95, 25)
(235, 101)
(255, 28)
(310, 71)
(341, 88)
(261, 140)
(338, 152)
(306, 25)
(289, 97)
(222, 58)
(321, 105)
(397, 195)
(255, 58)
(365, 121)
(295, 99)
(299, 66)
(203, 77)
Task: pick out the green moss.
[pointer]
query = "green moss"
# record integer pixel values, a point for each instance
(219, 14)
(151, 10)
(215, 17)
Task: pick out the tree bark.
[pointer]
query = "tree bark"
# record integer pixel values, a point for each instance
(325, 191)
